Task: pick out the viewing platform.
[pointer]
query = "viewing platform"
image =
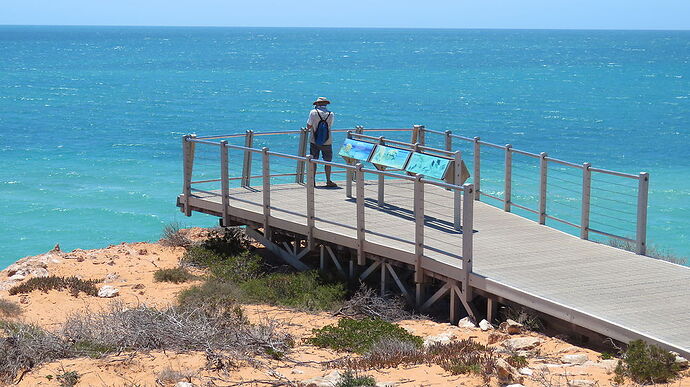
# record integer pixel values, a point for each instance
(429, 236)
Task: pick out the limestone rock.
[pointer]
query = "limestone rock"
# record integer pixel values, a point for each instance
(328, 380)
(507, 373)
(681, 361)
(107, 291)
(525, 371)
(17, 277)
(485, 325)
(581, 383)
(578, 359)
(521, 343)
(608, 365)
(511, 327)
(515, 385)
(466, 323)
(111, 277)
(297, 371)
(441, 338)
(386, 384)
(183, 384)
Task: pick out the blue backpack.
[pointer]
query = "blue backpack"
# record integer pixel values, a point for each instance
(322, 133)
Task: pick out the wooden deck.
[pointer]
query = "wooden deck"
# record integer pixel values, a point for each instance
(610, 291)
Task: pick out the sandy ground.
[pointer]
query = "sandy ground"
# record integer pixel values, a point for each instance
(130, 268)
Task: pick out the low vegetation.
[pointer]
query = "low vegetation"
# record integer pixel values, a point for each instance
(365, 302)
(351, 379)
(173, 237)
(646, 364)
(651, 251)
(304, 291)
(68, 378)
(360, 336)
(528, 318)
(9, 308)
(73, 284)
(175, 275)
(120, 329)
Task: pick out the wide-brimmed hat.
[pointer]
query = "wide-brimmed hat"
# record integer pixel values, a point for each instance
(321, 101)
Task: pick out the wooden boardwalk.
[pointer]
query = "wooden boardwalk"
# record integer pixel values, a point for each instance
(607, 290)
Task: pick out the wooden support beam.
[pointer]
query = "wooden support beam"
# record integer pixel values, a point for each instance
(335, 260)
(322, 258)
(439, 293)
(454, 306)
(491, 309)
(397, 281)
(384, 278)
(469, 308)
(369, 270)
(277, 250)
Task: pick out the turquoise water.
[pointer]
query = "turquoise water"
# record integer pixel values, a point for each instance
(91, 117)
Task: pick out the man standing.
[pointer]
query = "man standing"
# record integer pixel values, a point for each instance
(319, 125)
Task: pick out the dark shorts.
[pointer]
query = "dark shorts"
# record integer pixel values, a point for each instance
(326, 150)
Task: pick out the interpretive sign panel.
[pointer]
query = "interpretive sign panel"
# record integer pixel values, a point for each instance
(427, 165)
(356, 150)
(389, 157)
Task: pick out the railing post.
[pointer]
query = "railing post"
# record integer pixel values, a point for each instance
(266, 172)
(477, 169)
(359, 175)
(467, 235)
(348, 174)
(449, 140)
(359, 129)
(418, 228)
(543, 171)
(381, 183)
(415, 134)
(457, 195)
(508, 179)
(642, 198)
(187, 167)
(311, 212)
(301, 152)
(586, 200)
(224, 182)
(422, 135)
(247, 166)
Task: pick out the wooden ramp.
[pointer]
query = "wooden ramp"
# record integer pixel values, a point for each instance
(610, 291)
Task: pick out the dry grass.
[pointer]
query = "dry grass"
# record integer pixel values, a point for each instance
(367, 303)
(9, 308)
(173, 236)
(73, 284)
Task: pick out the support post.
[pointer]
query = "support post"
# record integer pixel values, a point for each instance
(508, 179)
(310, 203)
(359, 129)
(543, 171)
(247, 166)
(384, 278)
(348, 175)
(418, 228)
(477, 168)
(467, 231)
(187, 167)
(301, 151)
(449, 140)
(642, 197)
(266, 172)
(421, 139)
(454, 305)
(381, 183)
(491, 309)
(586, 200)
(359, 174)
(415, 134)
(224, 182)
(457, 194)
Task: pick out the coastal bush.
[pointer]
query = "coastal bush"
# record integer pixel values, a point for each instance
(169, 376)
(228, 242)
(45, 284)
(68, 378)
(529, 319)
(175, 275)
(200, 256)
(359, 336)
(23, 346)
(645, 363)
(304, 291)
(351, 379)
(237, 268)
(216, 299)
(9, 308)
(173, 237)
(366, 302)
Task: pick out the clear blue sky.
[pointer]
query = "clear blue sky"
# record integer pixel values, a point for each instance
(566, 14)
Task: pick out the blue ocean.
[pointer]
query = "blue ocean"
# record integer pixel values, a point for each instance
(92, 117)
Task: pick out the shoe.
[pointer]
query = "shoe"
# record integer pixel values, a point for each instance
(331, 184)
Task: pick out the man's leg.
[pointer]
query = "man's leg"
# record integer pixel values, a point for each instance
(327, 151)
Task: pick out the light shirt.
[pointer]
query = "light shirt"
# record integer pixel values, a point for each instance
(314, 119)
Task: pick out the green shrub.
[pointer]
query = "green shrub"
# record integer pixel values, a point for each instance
(350, 379)
(360, 335)
(462, 357)
(517, 361)
(237, 268)
(73, 284)
(228, 242)
(175, 275)
(9, 308)
(200, 256)
(215, 299)
(304, 290)
(68, 378)
(646, 364)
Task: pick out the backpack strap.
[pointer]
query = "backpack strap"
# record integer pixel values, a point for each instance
(321, 118)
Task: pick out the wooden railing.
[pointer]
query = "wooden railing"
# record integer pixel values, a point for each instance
(418, 143)
(191, 142)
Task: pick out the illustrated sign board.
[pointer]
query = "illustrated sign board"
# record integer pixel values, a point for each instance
(389, 157)
(429, 166)
(353, 150)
